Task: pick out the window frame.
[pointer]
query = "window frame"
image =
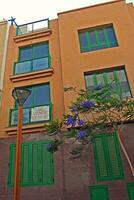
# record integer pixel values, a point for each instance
(32, 46)
(104, 72)
(98, 43)
(32, 59)
(32, 87)
(33, 106)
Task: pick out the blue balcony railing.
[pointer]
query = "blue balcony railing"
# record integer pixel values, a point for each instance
(32, 27)
(32, 65)
(32, 115)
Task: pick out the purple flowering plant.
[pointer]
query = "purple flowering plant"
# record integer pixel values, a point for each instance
(81, 134)
(87, 104)
(90, 113)
(70, 121)
(81, 122)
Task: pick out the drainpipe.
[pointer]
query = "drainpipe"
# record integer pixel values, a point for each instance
(4, 61)
(126, 154)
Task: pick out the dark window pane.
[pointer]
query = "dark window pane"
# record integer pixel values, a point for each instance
(111, 34)
(26, 116)
(100, 79)
(89, 80)
(93, 48)
(41, 63)
(126, 94)
(114, 44)
(41, 51)
(41, 95)
(14, 117)
(29, 101)
(23, 67)
(110, 77)
(121, 75)
(123, 83)
(92, 38)
(83, 40)
(25, 54)
(101, 36)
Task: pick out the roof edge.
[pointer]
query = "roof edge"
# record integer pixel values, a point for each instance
(77, 9)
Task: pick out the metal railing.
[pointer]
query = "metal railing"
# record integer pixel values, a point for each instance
(32, 65)
(31, 115)
(32, 27)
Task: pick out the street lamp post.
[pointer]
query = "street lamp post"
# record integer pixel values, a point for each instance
(20, 95)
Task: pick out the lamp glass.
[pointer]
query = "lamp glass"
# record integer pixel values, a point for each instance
(20, 95)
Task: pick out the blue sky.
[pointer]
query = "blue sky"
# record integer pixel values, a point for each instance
(29, 10)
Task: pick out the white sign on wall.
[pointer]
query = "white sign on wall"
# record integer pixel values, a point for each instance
(40, 113)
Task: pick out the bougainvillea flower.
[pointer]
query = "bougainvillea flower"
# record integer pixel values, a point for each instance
(87, 104)
(81, 135)
(70, 121)
(81, 122)
(74, 109)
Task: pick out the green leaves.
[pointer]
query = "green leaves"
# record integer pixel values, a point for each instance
(99, 110)
(53, 127)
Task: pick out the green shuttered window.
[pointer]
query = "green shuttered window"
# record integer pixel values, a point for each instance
(36, 164)
(107, 157)
(96, 38)
(130, 188)
(99, 192)
(115, 77)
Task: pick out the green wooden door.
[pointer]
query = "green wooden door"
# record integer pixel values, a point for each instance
(99, 192)
(130, 188)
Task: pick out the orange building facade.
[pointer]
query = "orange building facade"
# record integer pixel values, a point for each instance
(82, 48)
(50, 75)
(67, 59)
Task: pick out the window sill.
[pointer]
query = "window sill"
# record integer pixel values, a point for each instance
(34, 35)
(26, 129)
(32, 75)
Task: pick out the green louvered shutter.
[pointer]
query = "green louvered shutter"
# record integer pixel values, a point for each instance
(11, 165)
(48, 172)
(42, 164)
(99, 192)
(107, 157)
(130, 188)
(36, 164)
(25, 164)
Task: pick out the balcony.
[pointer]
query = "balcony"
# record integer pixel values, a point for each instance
(32, 65)
(32, 115)
(32, 27)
